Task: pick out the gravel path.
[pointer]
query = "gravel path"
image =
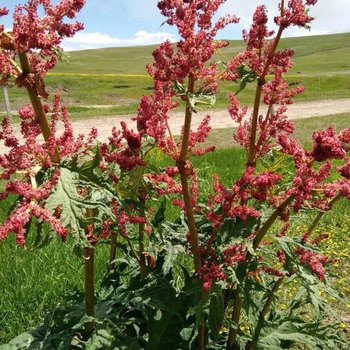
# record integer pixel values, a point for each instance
(220, 118)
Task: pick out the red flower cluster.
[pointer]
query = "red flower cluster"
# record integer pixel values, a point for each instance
(327, 145)
(171, 67)
(122, 218)
(29, 207)
(40, 36)
(261, 58)
(38, 30)
(235, 254)
(3, 12)
(295, 14)
(211, 272)
(123, 149)
(316, 262)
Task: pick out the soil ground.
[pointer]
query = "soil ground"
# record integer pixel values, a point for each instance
(220, 118)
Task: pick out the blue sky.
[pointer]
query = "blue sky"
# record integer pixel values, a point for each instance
(138, 22)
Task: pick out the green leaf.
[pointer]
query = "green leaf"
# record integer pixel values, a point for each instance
(273, 338)
(21, 342)
(234, 230)
(73, 204)
(100, 340)
(202, 308)
(159, 216)
(43, 233)
(199, 98)
(216, 313)
(7, 205)
(245, 77)
(283, 333)
(130, 183)
(154, 157)
(171, 254)
(66, 195)
(90, 165)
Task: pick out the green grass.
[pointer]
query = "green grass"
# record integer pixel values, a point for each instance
(312, 55)
(31, 282)
(89, 97)
(304, 128)
(84, 94)
(117, 77)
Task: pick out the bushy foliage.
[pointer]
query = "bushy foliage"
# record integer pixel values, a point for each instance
(212, 277)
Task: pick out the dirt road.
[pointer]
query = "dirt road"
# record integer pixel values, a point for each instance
(220, 118)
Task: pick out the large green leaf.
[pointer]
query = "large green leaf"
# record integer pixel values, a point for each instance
(97, 198)
(6, 206)
(216, 313)
(172, 252)
(21, 342)
(311, 335)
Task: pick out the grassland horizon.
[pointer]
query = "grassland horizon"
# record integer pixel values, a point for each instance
(111, 81)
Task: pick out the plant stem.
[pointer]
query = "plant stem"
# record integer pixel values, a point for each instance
(142, 259)
(237, 297)
(112, 250)
(252, 139)
(37, 105)
(185, 170)
(133, 252)
(236, 314)
(89, 253)
(321, 213)
(258, 91)
(182, 165)
(7, 103)
(251, 345)
(263, 230)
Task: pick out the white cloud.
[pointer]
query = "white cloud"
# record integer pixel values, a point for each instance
(82, 40)
(330, 16)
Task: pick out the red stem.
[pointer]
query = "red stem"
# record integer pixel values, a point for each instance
(183, 166)
(258, 92)
(37, 105)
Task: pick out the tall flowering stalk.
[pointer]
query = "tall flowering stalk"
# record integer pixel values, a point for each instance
(184, 72)
(237, 237)
(35, 39)
(259, 135)
(181, 72)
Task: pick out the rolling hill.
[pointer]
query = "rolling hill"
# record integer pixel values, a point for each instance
(322, 54)
(111, 81)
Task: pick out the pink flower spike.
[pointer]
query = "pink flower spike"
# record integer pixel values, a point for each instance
(209, 273)
(327, 145)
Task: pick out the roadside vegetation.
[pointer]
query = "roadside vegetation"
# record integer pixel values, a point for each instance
(151, 240)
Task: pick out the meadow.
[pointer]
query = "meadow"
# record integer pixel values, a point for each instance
(24, 301)
(110, 81)
(30, 283)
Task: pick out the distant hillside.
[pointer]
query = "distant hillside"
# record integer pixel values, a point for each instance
(319, 55)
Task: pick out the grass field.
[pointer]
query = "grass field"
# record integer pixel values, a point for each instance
(110, 81)
(24, 300)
